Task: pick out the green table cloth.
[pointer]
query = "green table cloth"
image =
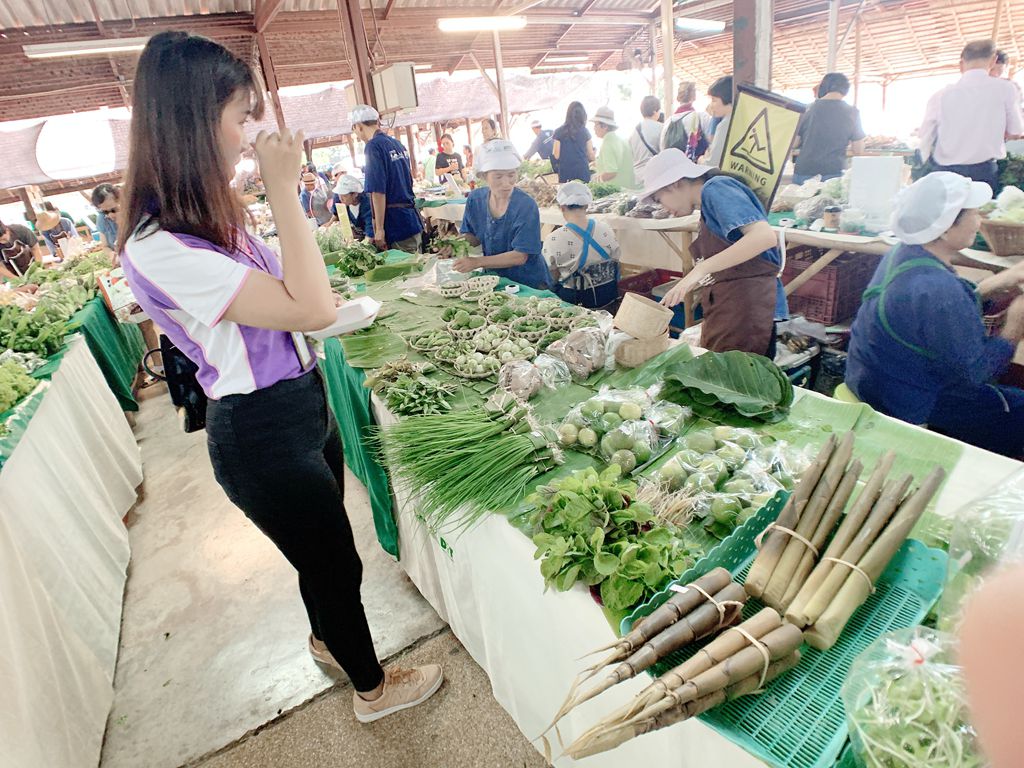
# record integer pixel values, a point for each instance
(117, 347)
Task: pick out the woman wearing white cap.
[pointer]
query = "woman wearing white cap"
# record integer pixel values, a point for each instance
(503, 220)
(615, 160)
(918, 346)
(582, 256)
(349, 194)
(736, 255)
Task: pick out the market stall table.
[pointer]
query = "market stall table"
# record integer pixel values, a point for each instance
(63, 557)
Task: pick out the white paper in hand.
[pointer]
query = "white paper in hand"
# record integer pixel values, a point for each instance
(352, 316)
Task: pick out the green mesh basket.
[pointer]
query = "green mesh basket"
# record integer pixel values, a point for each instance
(799, 721)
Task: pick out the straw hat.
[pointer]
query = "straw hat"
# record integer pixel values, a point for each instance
(309, 180)
(47, 220)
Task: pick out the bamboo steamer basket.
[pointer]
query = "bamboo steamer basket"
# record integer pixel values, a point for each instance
(635, 352)
(1005, 238)
(642, 318)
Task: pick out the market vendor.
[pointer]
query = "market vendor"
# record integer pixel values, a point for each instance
(19, 247)
(396, 223)
(349, 193)
(918, 346)
(238, 310)
(54, 228)
(504, 220)
(583, 256)
(736, 255)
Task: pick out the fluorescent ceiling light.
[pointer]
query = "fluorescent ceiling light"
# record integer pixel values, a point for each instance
(85, 48)
(421, 67)
(562, 66)
(699, 26)
(481, 23)
(561, 59)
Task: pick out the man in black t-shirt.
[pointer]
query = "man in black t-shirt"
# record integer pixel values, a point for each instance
(826, 131)
(18, 248)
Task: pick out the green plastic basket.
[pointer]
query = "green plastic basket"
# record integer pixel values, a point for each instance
(799, 721)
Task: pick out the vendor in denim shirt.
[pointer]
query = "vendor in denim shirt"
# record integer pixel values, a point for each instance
(736, 254)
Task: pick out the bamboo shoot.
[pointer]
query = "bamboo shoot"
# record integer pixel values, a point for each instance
(848, 529)
(775, 542)
(808, 523)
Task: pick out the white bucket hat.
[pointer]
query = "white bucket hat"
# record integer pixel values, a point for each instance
(574, 193)
(605, 116)
(347, 185)
(667, 167)
(928, 207)
(363, 113)
(496, 155)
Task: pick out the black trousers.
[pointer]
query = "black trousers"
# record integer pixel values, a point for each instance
(276, 452)
(987, 172)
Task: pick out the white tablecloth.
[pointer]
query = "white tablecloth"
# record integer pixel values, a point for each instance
(63, 558)
(488, 587)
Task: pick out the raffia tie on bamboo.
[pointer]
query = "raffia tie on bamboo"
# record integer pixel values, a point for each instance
(720, 606)
(789, 531)
(856, 569)
(764, 655)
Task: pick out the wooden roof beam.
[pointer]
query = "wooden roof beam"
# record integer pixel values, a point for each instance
(264, 13)
(388, 8)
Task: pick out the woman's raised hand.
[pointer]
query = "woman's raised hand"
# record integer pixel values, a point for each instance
(279, 155)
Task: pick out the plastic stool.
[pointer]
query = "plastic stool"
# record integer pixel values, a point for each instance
(844, 394)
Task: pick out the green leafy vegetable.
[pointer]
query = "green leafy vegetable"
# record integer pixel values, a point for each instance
(588, 528)
(15, 384)
(601, 189)
(736, 382)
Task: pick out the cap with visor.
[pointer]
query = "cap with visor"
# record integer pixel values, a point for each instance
(927, 208)
(348, 185)
(364, 113)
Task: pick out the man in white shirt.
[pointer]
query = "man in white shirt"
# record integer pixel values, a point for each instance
(966, 124)
(645, 139)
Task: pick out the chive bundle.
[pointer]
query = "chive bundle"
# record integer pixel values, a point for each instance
(468, 463)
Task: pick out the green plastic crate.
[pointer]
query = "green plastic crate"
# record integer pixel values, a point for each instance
(799, 721)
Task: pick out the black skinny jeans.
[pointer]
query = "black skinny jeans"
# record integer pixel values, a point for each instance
(276, 452)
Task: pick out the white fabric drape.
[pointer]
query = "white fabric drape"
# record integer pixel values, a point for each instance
(63, 559)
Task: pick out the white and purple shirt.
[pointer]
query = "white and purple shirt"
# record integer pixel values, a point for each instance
(186, 284)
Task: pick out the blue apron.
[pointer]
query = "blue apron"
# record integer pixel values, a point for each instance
(603, 274)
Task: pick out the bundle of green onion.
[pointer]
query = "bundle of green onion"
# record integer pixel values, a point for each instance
(465, 464)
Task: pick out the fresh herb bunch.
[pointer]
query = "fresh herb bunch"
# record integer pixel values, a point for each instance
(589, 528)
(41, 331)
(15, 384)
(418, 395)
(459, 246)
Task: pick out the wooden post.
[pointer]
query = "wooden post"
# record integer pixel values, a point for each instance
(412, 152)
(752, 42)
(26, 200)
(652, 34)
(668, 40)
(499, 75)
(996, 20)
(833, 35)
(351, 149)
(437, 136)
(307, 145)
(267, 65)
(856, 61)
(469, 132)
(350, 16)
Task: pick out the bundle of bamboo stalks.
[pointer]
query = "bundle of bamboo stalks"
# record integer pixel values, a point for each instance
(817, 566)
(740, 661)
(695, 611)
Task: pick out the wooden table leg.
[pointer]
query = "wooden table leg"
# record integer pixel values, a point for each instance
(683, 252)
(819, 264)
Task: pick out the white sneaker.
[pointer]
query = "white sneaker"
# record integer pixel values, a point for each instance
(403, 688)
(318, 650)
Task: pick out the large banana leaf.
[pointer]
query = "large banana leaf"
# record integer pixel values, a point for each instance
(750, 385)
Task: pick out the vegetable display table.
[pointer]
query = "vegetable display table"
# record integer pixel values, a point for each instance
(117, 347)
(488, 587)
(63, 558)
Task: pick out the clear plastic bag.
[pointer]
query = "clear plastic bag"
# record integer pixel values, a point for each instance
(669, 418)
(906, 704)
(989, 534)
(525, 379)
(583, 350)
(553, 372)
(812, 208)
(630, 445)
(588, 422)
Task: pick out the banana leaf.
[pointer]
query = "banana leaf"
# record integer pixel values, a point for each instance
(747, 385)
(373, 347)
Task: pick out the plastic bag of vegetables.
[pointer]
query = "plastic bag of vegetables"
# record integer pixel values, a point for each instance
(669, 418)
(630, 445)
(988, 535)
(906, 704)
(521, 378)
(583, 350)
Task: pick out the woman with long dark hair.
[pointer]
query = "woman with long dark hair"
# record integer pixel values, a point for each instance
(573, 151)
(238, 311)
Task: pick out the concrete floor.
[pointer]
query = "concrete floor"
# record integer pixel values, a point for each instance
(213, 642)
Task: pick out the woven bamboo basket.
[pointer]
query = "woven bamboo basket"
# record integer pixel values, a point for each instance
(635, 352)
(642, 318)
(1003, 237)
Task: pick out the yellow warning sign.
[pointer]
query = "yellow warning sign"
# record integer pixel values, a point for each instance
(761, 134)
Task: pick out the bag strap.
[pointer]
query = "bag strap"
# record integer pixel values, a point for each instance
(878, 291)
(588, 243)
(640, 133)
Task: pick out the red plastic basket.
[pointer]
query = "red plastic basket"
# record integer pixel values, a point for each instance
(834, 294)
(645, 282)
